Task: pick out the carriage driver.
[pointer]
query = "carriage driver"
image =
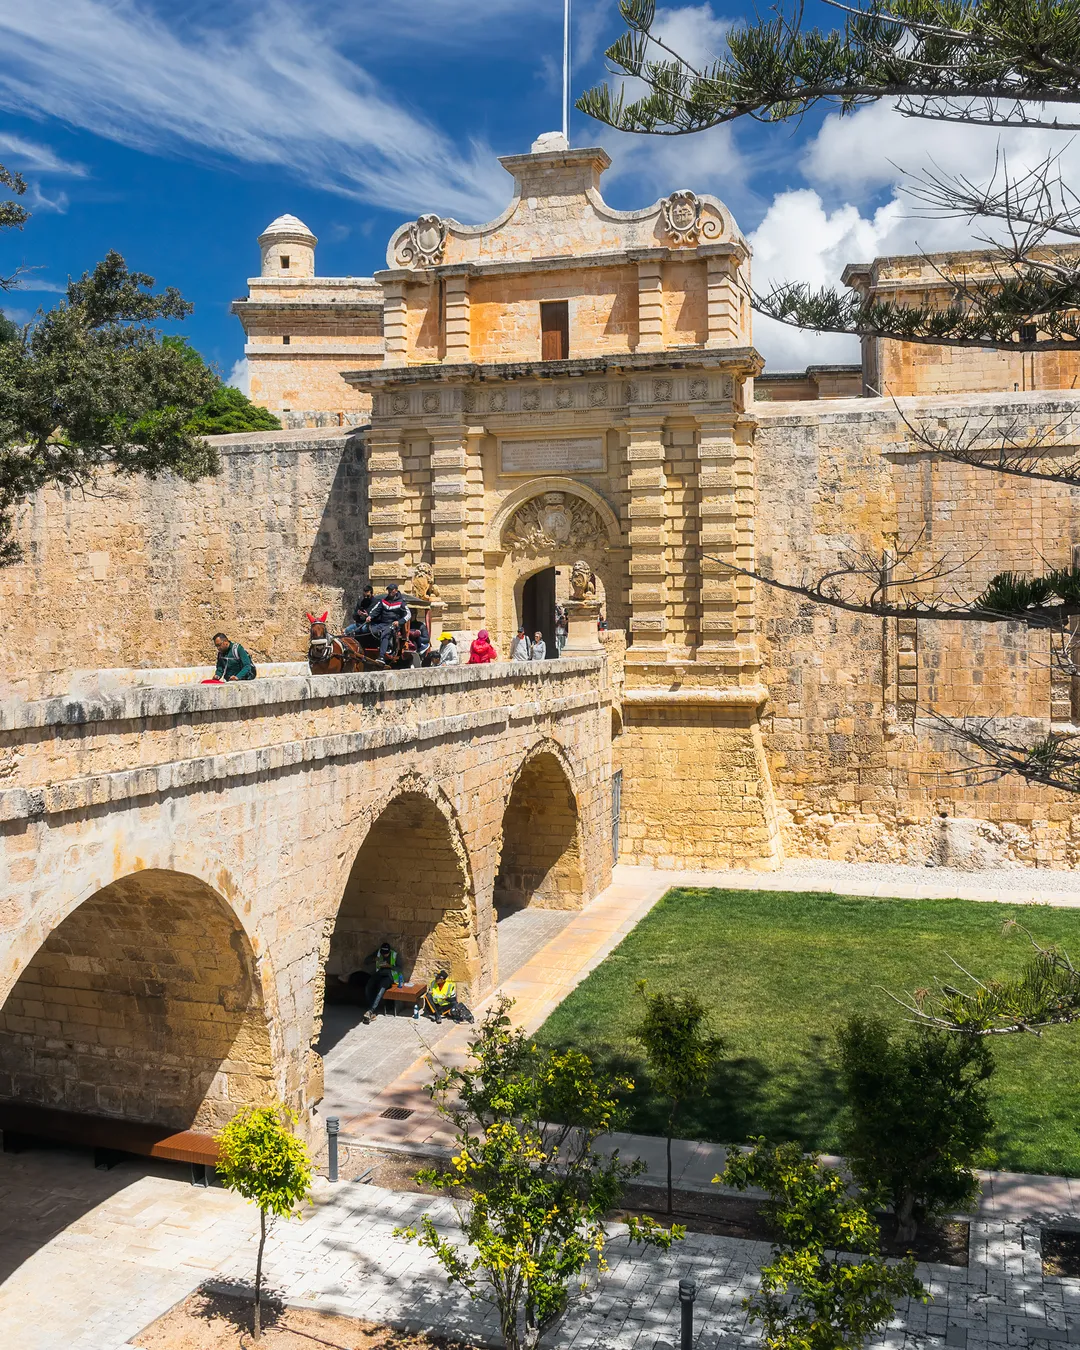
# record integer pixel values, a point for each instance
(441, 997)
(387, 972)
(388, 612)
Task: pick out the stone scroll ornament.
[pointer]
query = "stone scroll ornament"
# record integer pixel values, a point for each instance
(424, 242)
(553, 522)
(687, 219)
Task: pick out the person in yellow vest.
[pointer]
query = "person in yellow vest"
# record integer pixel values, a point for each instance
(441, 997)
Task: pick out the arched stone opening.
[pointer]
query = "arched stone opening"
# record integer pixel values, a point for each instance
(540, 859)
(409, 885)
(144, 1004)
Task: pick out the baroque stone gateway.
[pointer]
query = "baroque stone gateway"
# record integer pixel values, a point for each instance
(557, 405)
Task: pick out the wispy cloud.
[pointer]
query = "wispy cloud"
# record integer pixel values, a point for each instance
(272, 89)
(19, 153)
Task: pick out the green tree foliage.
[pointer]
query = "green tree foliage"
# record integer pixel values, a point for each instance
(532, 1194)
(227, 410)
(917, 1115)
(812, 1297)
(981, 62)
(90, 384)
(261, 1159)
(680, 1051)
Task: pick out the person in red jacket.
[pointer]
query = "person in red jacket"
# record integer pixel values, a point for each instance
(481, 651)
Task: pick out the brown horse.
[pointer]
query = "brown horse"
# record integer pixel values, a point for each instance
(331, 655)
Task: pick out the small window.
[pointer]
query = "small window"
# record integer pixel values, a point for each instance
(554, 330)
(286, 339)
(284, 262)
(1029, 332)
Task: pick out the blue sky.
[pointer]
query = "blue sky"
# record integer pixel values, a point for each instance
(175, 133)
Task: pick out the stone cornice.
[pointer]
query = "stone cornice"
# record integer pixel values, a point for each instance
(733, 360)
(241, 307)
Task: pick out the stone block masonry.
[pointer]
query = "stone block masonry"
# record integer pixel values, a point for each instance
(141, 573)
(181, 867)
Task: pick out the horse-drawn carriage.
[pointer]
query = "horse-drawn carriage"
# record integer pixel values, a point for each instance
(337, 653)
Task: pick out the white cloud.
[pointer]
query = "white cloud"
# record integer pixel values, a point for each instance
(19, 153)
(272, 90)
(694, 32)
(240, 376)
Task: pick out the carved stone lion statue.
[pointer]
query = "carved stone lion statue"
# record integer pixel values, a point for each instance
(582, 582)
(422, 584)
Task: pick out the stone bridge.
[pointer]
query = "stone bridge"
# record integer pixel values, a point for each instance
(182, 866)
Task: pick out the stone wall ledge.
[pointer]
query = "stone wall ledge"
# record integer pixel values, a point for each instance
(809, 412)
(286, 692)
(157, 780)
(747, 696)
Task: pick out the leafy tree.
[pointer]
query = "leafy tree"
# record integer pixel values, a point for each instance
(532, 1195)
(811, 1296)
(228, 410)
(989, 63)
(917, 1115)
(261, 1159)
(680, 1052)
(90, 384)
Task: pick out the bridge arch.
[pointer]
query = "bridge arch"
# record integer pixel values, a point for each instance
(410, 883)
(540, 856)
(144, 1002)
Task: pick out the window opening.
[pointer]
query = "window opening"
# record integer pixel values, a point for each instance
(555, 330)
(285, 261)
(286, 339)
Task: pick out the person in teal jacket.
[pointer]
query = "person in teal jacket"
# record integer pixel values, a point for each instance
(233, 662)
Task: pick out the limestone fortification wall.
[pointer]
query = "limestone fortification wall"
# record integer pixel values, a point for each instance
(139, 573)
(858, 770)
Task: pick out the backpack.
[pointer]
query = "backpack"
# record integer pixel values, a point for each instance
(462, 1014)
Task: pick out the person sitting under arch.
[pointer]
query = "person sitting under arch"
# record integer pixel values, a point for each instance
(441, 998)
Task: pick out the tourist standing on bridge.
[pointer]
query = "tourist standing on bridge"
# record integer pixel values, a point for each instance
(520, 648)
(233, 662)
(388, 613)
(448, 652)
(539, 648)
(481, 651)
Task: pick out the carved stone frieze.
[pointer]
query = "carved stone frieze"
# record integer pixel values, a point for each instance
(530, 400)
(399, 403)
(424, 242)
(554, 521)
(431, 403)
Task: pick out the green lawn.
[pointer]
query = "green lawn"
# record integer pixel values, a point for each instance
(782, 970)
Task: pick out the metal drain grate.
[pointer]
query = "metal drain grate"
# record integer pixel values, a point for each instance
(396, 1113)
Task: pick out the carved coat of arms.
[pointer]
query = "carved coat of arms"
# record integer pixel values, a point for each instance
(553, 522)
(686, 218)
(424, 242)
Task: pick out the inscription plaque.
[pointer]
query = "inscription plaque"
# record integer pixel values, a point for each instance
(580, 453)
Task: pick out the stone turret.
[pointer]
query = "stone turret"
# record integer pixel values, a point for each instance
(288, 248)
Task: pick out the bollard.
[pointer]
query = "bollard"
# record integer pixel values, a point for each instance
(687, 1294)
(333, 1124)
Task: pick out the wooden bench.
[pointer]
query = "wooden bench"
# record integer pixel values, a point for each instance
(408, 993)
(25, 1125)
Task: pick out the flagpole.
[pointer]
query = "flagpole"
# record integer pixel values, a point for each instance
(566, 71)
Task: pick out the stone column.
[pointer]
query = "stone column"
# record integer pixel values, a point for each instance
(475, 524)
(386, 495)
(650, 300)
(458, 320)
(395, 321)
(647, 510)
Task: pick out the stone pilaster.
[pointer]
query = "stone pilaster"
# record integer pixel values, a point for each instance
(724, 300)
(386, 496)
(725, 511)
(450, 521)
(647, 511)
(458, 319)
(395, 322)
(650, 302)
(475, 524)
